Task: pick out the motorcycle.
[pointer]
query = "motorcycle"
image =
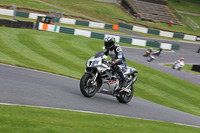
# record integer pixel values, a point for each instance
(101, 78)
(178, 65)
(153, 55)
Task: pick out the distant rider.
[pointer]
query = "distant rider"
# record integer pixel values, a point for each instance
(118, 59)
(158, 52)
(148, 51)
(180, 60)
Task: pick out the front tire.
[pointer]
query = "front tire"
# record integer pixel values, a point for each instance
(86, 87)
(125, 97)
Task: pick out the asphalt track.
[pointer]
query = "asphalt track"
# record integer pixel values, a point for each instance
(29, 87)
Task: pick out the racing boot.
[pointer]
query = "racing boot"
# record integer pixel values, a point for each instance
(124, 83)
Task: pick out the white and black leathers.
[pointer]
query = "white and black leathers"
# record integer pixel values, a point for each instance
(118, 57)
(116, 54)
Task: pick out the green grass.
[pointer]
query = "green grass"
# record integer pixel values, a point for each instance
(186, 68)
(186, 5)
(67, 54)
(34, 5)
(22, 119)
(106, 12)
(195, 19)
(99, 10)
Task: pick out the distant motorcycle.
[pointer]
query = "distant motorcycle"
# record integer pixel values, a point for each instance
(152, 56)
(178, 65)
(101, 78)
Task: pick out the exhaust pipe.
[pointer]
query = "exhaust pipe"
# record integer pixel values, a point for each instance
(130, 83)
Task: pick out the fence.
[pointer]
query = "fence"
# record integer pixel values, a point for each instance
(192, 24)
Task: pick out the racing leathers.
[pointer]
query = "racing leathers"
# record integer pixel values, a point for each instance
(118, 61)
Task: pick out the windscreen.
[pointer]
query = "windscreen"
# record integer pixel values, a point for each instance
(98, 54)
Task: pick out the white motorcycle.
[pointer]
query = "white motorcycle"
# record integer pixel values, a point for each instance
(101, 78)
(178, 65)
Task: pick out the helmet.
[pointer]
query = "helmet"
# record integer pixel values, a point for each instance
(182, 58)
(109, 42)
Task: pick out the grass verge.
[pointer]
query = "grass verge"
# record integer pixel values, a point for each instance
(23, 119)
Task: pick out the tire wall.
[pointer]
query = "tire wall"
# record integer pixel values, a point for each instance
(16, 24)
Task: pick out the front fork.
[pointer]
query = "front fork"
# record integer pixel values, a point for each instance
(94, 77)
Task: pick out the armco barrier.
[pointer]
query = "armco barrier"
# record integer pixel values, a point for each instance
(16, 24)
(157, 32)
(91, 34)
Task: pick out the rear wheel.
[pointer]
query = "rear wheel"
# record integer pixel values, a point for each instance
(173, 67)
(125, 97)
(86, 86)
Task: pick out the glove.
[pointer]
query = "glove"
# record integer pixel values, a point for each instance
(111, 63)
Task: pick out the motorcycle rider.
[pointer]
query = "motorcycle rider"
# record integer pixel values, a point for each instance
(118, 59)
(148, 51)
(179, 60)
(158, 52)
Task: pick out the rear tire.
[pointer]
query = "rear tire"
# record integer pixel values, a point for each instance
(86, 87)
(173, 67)
(124, 97)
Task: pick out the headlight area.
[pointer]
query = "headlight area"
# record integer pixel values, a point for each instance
(95, 63)
(92, 63)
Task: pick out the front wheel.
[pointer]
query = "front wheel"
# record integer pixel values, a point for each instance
(125, 97)
(87, 88)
